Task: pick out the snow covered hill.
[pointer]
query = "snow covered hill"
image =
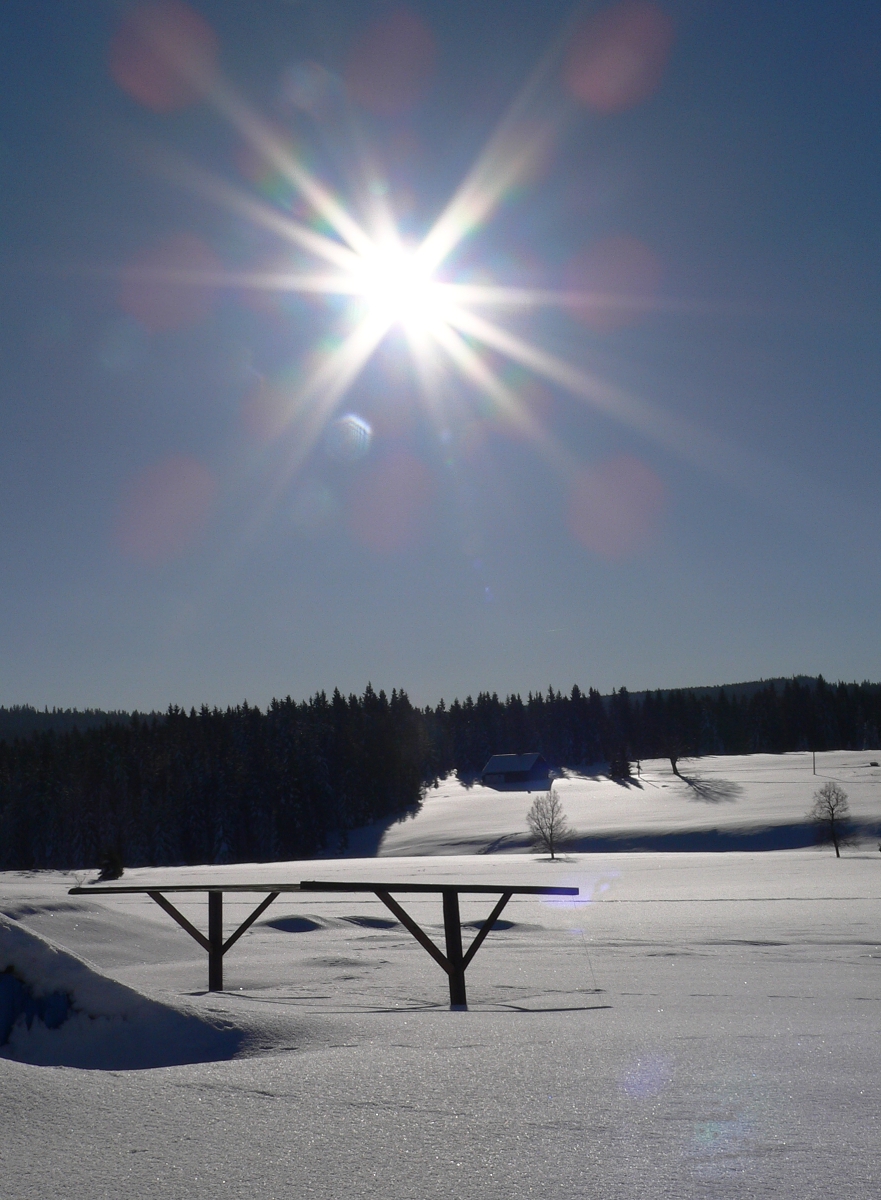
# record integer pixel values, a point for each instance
(758, 801)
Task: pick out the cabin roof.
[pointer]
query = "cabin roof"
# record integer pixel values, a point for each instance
(500, 764)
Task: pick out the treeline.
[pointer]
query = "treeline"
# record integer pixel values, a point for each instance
(585, 728)
(23, 720)
(244, 785)
(211, 786)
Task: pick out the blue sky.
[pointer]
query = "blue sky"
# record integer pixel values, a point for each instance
(178, 523)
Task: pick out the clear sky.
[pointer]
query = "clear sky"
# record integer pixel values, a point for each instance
(616, 423)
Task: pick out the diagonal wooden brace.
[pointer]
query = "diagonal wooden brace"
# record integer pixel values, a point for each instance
(246, 924)
(194, 933)
(421, 937)
(213, 943)
(487, 926)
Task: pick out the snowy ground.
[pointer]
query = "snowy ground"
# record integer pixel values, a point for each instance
(725, 802)
(701, 1025)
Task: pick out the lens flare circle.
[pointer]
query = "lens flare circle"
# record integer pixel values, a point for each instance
(349, 438)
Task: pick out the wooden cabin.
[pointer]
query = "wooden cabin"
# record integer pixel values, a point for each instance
(517, 772)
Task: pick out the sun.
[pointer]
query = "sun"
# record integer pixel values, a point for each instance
(454, 321)
(398, 288)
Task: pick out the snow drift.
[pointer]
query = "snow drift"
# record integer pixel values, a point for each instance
(57, 1010)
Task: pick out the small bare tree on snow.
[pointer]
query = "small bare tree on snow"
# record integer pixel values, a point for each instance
(830, 813)
(547, 822)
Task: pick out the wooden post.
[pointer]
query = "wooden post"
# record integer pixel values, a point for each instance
(215, 941)
(453, 933)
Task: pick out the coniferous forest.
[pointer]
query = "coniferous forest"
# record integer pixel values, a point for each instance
(242, 784)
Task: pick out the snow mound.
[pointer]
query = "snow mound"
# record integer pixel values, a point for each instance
(57, 1010)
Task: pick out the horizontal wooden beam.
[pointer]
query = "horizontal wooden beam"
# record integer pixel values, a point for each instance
(319, 885)
(325, 885)
(118, 889)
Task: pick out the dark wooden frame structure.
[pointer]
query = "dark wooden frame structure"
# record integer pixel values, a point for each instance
(213, 943)
(454, 962)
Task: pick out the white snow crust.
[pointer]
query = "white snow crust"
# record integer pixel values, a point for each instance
(695, 1025)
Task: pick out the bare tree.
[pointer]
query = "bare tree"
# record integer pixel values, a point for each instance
(677, 750)
(831, 813)
(547, 822)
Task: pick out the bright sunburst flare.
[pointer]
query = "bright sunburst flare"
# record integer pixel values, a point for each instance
(397, 286)
(451, 326)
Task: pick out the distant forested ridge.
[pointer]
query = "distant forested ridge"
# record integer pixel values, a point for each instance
(22, 720)
(241, 784)
(585, 728)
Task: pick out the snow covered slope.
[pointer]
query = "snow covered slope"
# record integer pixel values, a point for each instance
(758, 801)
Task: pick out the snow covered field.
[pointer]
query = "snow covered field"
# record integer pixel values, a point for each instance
(697, 1025)
(753, 802)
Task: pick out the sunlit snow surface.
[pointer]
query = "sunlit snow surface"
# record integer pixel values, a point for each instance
(754, 802)
(706, 1025)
